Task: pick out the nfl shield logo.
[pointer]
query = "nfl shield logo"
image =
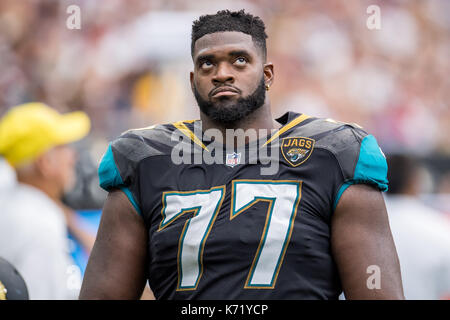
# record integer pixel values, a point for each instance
(233, 159)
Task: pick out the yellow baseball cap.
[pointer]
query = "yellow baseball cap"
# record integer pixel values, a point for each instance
(29, 130)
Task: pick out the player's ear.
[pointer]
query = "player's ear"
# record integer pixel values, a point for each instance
(268, 73)
(191, 78)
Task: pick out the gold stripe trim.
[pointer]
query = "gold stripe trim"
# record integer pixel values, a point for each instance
(187, 132)
(288, 126)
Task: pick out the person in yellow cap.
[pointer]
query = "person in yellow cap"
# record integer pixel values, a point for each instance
(34, 140)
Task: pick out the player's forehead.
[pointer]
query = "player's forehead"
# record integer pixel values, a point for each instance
(223, 42)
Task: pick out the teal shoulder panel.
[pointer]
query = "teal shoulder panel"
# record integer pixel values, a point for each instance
(108, 173)
(371, 168)
(109, 177)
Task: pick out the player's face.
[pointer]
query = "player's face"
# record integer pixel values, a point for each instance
(228, 80)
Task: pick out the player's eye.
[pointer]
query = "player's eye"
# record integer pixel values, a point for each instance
(241, 61)
(206, 64)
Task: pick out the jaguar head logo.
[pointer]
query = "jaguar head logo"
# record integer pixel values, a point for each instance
(296, 154)
(297, 150)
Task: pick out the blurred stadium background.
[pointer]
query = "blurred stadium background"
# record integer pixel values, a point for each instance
(128, 66)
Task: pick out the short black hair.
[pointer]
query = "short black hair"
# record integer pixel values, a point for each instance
(226, 20)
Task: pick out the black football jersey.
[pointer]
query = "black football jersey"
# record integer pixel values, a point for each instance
(255, 225)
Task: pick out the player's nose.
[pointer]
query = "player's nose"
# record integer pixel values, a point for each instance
(223, 74)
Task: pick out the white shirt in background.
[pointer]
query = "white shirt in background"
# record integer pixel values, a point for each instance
(7, 175)
(33, 237)
(422, 238)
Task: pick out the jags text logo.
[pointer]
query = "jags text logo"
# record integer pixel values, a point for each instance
(296, 150)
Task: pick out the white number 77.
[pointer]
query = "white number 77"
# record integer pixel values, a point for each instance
(283, 197)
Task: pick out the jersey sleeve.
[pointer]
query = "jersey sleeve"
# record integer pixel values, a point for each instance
(362, 162)
(118, 169)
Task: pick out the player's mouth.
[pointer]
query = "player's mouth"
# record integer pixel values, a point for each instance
(223, 92)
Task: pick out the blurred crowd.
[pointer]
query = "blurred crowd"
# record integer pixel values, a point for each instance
(130, 61)
(128, 66)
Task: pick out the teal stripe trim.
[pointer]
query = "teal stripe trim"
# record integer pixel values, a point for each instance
(109, 177)
(371, 168)
(340, 192)
(131, 198)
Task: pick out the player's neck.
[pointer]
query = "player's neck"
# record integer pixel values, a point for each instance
(260, 120)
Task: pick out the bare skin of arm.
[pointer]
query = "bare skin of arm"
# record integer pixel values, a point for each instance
(361, 237)
(118, 262)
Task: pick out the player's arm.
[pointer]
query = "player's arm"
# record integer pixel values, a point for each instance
(117, 264)
(361, 237)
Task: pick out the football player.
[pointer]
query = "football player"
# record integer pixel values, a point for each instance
(311, 229)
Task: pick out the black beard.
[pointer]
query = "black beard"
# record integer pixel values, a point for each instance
(229, 113)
